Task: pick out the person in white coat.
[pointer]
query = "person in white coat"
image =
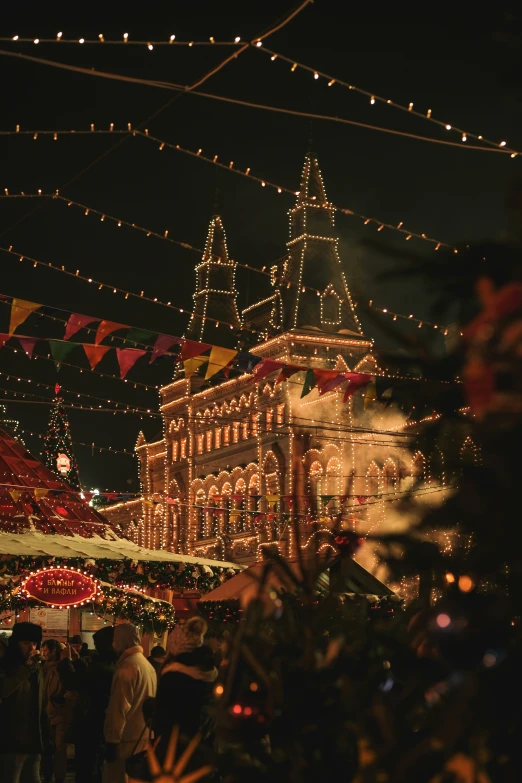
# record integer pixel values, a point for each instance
(134, 681)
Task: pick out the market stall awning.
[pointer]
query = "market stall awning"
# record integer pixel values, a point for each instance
(357, 581)
(40, 515)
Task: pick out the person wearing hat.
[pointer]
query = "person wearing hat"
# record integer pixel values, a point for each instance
(134, 681)
(21, 698)
(94, 688)
(157, 658)
(186, 682)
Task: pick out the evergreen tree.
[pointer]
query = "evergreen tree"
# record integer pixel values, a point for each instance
(58, 450)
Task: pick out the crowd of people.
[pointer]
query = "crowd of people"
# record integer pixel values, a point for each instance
(107, 702)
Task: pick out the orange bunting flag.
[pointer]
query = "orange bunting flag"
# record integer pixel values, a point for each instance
(15, 494)
(127, 358)
(192, 365)
(219, 359)
(95, 353)
(20, 310)
(106, 328)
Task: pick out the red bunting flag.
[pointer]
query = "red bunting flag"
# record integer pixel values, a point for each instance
(287, 372)
(3, 339)
(20, 310)
(127, 358)
(361, 499)
(164, 343)
(191, 348)
(107, 327)
(265, 367)
(76, 322)
(95, 353)
(28, 344)
(356, 380)
(326, 380)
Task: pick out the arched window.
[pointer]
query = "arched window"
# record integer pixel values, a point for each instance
(390, 477)
(217, 437)
(418, 467)
(208, 438)
(156, 538)
(470, 453)
(200, 514)
(244, 429)
(269, 419)
(315, 479)
(226, 435)
(271, 474)
(330, 306)
(235, 432)
(373, 484)
(199, 443)
(280, 414)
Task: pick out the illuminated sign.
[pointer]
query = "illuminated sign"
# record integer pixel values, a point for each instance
(60, 587)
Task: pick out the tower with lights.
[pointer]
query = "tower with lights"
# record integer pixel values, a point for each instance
(58, 451)
(218, 483)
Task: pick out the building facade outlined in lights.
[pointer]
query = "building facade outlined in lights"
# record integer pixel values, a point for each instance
(228, 446)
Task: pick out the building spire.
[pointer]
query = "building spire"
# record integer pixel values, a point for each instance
(313, 263)
(215, 295)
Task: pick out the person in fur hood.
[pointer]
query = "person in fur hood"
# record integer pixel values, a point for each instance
(185, 682)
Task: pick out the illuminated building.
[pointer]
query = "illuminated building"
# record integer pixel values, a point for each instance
(219, 482)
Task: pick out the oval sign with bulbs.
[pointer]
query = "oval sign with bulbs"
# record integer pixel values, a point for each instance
(60, 587)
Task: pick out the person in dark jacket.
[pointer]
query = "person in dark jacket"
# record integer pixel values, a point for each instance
(157, 658)
(185, 683)
(94, 687)
(21, 698)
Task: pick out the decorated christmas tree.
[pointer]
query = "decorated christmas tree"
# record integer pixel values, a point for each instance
(58, 449)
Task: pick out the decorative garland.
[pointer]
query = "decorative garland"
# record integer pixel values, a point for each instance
(127, 573)
(229, 613)
(154, 617)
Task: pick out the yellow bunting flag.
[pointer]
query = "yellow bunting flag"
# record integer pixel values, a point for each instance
(218, 360)
(15, 494)
(192, 365)
(370, 394)
(20, 310)
(40, 492)
(272, 498)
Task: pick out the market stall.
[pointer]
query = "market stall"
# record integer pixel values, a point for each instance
(63, 562)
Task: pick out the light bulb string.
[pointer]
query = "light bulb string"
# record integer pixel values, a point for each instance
(78, 405)
(409, 109)
(162, 144)
(123, 41)
(274, 277)
(189, 89)
(94, 446)
(18, 378)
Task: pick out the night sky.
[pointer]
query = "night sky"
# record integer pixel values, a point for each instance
(463, 68)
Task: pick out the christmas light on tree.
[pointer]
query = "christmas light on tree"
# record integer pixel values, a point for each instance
(58, 449)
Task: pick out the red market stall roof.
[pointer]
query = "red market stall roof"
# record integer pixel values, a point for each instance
(358, 581)
(42, 515)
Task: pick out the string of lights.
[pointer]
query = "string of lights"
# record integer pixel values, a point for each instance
(135, 384)
(376, 99)
(124, 40)
(234, 101)
(92, 446)
(77, 406)
(148, 232)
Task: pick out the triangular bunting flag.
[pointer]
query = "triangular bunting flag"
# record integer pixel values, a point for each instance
(3, 339)
(309, 383)
(265, 368)
(164, 343)
(60, 351)
(127, 358)
(326, 499)
(105, 328)
(76, 322)
(328, 379)
(95, 353)
(361, 499)
(28, 344)
(192, 365)
(357, 380)
(287, 372)
(20, 310)
(40, 492)
(370, 395)
(136, 335)
(272, 498)
(15, 494)
(218, 360)
(190, 349)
